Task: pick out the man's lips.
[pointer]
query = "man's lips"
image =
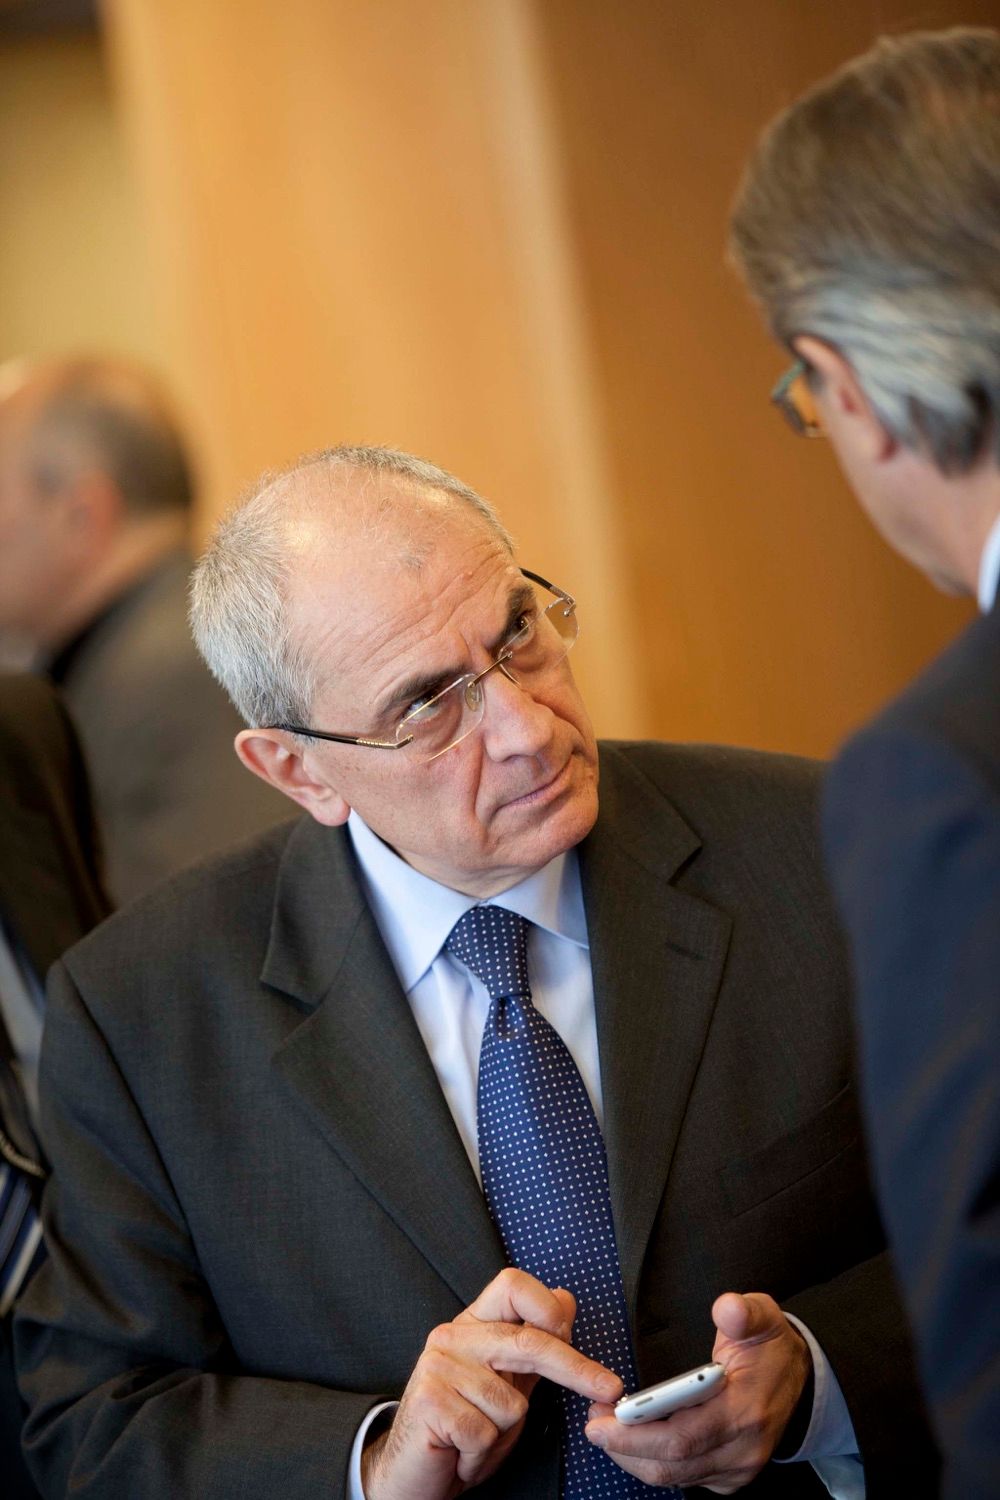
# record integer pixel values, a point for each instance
(545, 791)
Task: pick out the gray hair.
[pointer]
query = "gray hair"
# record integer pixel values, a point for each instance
(239, 587)
(869, 217)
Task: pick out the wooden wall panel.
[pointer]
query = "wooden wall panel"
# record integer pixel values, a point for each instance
(493, 233)
(773, 614)
(339, 197)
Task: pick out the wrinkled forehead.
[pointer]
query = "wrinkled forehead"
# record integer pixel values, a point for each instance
(375, 589)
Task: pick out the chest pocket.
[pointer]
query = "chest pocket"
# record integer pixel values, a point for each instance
(834, 1132)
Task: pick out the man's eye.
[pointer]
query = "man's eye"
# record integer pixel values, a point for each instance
(520, 631)
(426, 705)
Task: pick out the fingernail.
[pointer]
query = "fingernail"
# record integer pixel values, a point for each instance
(596, 1436)
(608, 1382)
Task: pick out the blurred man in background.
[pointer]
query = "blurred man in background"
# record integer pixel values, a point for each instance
(868, 227)
(95, 495)
(50, 895)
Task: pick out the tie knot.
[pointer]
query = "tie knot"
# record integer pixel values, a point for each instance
(493, 943)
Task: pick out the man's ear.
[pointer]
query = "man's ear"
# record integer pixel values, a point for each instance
(276, 757)
(844, 405)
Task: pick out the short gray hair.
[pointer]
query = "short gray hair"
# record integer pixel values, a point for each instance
(239, 587)
(869, 217)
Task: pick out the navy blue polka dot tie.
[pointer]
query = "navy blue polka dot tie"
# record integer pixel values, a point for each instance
(545, 1176)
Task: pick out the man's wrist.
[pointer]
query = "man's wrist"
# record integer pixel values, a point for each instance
(370, 1455)
(831, 1432)
(368, 1446)
(794, 1434)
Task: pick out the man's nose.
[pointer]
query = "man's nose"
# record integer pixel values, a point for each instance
(514, 723)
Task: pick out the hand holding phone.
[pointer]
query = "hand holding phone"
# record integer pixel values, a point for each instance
(656, 1401)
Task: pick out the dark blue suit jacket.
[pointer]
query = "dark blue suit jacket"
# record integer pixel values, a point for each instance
(912, 827)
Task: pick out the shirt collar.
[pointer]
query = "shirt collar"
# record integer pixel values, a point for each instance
(989, 569)
(415, 914)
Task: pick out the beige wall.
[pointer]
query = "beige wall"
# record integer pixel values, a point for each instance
(73, 265)
(491, 232)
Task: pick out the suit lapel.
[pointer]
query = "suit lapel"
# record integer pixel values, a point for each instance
(657, 956)
(359, 1067)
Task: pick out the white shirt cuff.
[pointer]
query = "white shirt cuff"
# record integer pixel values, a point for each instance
(355, 1489)
(830, 1444)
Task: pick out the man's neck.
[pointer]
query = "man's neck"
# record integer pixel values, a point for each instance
(973, 511)
(138, 548)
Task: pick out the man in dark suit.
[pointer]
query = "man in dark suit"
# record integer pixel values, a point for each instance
(50, 895)
(95, 497)
(260, 1084)
(869, 227)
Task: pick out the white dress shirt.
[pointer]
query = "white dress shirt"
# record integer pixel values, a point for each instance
(989, 569)
(450, 1004)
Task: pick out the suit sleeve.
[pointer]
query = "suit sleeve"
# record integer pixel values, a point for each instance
(858, 1321)
(913, 835)
(132, 1386)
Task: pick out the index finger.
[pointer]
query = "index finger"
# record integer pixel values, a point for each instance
(523, 1349)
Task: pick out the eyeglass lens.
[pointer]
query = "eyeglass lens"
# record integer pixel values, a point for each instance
(545, 633)
(801, 397)
(794, 398)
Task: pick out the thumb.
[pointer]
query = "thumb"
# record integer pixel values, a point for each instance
(749, 1318)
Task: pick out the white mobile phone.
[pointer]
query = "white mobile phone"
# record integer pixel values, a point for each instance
(689, 1389)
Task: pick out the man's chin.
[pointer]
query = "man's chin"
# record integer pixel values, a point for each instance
(569, 817)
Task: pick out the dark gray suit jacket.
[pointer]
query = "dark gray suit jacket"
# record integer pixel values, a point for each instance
(912, 815)
(51, 890)
(269, 1206)
(157, 732)
(50, 895)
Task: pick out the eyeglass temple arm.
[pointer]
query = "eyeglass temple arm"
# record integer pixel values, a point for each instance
(343, 739)
(552, 588)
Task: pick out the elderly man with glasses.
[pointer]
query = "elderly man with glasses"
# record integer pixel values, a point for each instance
(395, 1144)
